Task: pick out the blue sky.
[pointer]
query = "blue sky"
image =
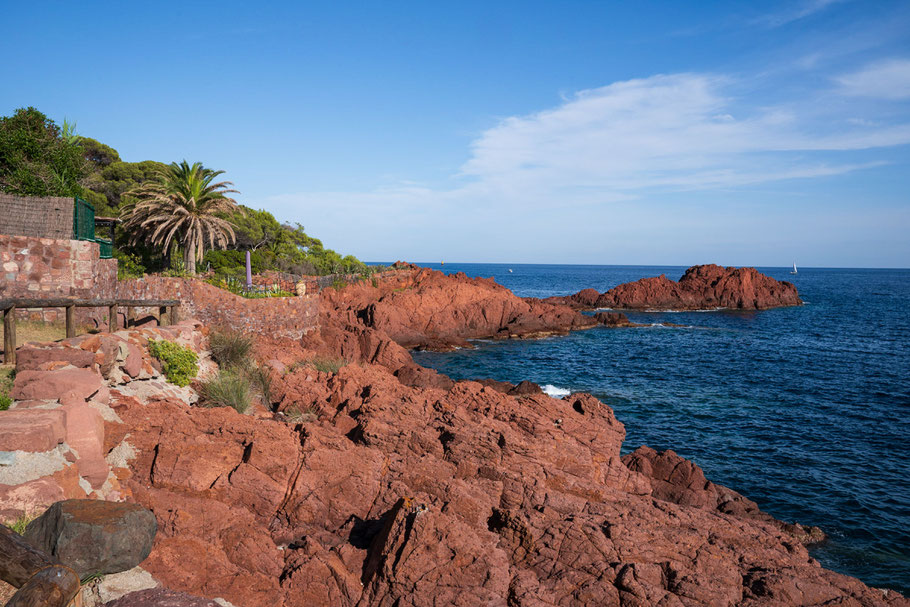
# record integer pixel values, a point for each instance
(741, 133)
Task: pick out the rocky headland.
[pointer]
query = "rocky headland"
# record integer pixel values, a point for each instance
(383, 483)
(706, 287)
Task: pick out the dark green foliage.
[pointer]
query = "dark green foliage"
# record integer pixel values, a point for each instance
(111, 181)
(229, 388)
(231, 348)
(99, 154)
(128, 265)
(277, 246)
(37, 158)
(179, 363)
(40, 158)
(6, 384)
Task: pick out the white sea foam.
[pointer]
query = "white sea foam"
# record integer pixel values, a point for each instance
(555, 391)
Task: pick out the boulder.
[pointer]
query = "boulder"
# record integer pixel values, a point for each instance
(93, 536)
(161, 597)
(34, 430)
(53, 384)
(31, 358)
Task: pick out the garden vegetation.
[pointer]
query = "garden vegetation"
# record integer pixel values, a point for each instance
(40, 158)
(179, 363)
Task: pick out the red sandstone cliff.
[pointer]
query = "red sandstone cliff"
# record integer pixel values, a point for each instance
(427, 309)
(385, 494)
(701, 288)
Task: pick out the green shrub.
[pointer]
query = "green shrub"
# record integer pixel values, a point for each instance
(6, 384)
(231, 348)
(129, 265)
(230, 388)
(180, 364)
(261, 383)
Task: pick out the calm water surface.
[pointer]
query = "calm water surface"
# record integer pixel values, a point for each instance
(804, 410)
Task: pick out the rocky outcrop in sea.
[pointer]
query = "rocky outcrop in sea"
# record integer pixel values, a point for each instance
(705, 287)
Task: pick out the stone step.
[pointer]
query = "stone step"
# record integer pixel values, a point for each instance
(34, 430)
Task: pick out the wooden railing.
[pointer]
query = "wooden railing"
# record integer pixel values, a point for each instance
(40, 579)
(167, 314)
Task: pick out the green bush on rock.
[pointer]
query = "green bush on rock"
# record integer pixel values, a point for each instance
(230, 388)
(180, 364)
(231, 348)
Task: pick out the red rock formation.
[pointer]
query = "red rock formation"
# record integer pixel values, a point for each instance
(427, 309)
(682, 482)
(388, 494)
(701, 288)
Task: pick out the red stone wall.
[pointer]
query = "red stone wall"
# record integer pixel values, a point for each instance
(41, 268)
(214, 307)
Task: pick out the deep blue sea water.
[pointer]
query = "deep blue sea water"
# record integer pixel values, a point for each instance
(805, 410)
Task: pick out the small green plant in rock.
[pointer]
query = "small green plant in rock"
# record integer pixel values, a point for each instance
(6, 384)
(230, 388)
(180, 364)
(91, 577)
(328, 365)
(231, 348)
(295, 415)
(261, 383)
(21, 523)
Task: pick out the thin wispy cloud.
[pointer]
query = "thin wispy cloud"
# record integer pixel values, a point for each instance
(612, 150)
(801, 11)
(882, 80)
(669, 131)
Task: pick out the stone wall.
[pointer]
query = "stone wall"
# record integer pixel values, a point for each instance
(45, 268)
(48, 217)
(214, 307)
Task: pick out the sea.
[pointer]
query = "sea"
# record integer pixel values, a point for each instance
(805, 410)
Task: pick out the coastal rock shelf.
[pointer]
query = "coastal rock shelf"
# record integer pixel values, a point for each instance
(706, 287)
(428, 309)
(380, 483)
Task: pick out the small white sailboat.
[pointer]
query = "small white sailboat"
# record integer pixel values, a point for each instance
(510, 270)
(793, 271)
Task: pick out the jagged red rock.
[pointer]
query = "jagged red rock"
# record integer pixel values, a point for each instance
(701, 287)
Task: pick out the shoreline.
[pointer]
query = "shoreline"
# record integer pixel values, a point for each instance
(361, 481)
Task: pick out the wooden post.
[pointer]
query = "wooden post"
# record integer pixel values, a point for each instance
(163, 316)
(71, 321)
(128, 317)
(40, 580)
(112, 318)
(173, 315)
(9, 335)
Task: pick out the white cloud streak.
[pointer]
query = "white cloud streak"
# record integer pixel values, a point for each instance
(805, 9)
(883, 80)
(661, 132)
(603, 155)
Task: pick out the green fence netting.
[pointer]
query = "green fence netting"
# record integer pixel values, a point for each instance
(84, 227)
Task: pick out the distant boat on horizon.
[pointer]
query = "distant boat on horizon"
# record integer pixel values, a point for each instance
(794, 271)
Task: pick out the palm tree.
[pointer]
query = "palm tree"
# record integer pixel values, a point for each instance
(182, 206)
